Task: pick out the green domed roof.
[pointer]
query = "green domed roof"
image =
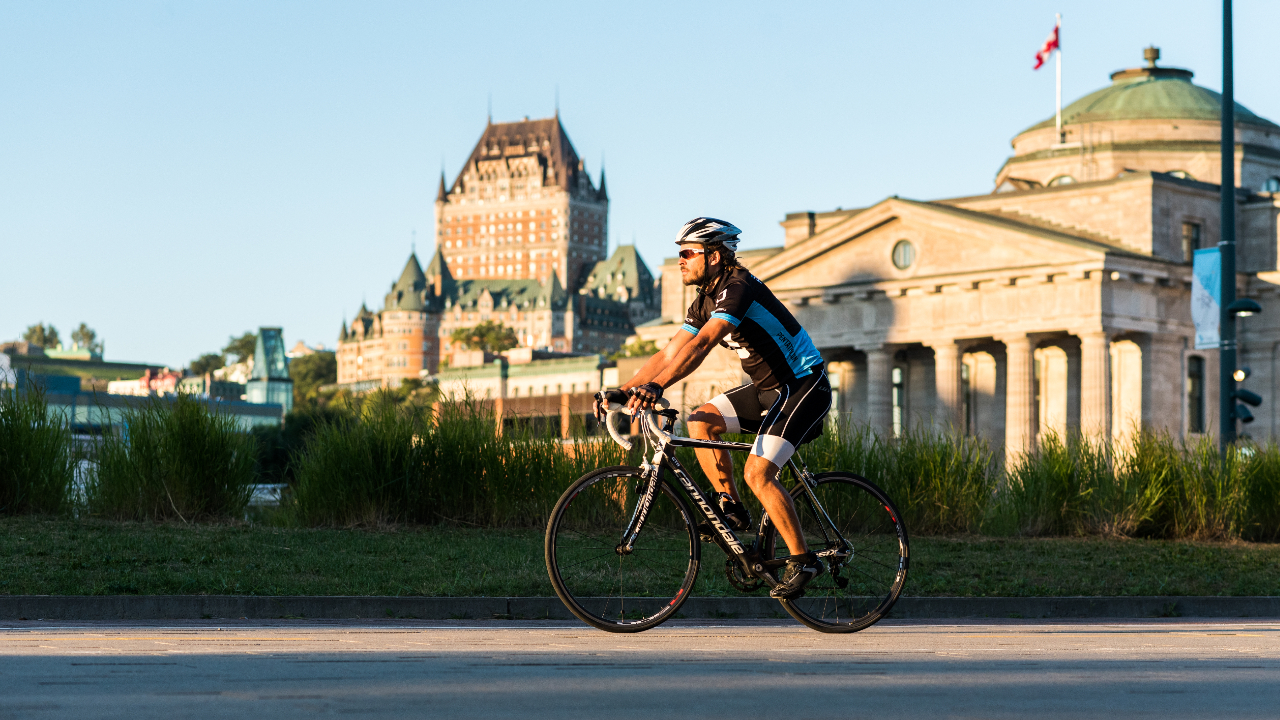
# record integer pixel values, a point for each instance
(1151, 93)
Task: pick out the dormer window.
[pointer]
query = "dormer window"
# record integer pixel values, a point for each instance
(1190, 240)
(1271, 185)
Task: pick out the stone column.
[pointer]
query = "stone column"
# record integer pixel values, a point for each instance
(1095, 385)
(947, 358)
(566, 429)
(879, 390)
(1019, 435)
(1164, 385)
(843, 375)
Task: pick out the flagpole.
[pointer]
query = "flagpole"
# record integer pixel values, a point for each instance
(1058, 122)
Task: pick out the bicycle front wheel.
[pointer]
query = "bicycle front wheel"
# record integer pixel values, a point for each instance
(604, 587)
(864, 548)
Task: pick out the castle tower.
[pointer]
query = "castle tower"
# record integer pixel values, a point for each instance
(522, 207)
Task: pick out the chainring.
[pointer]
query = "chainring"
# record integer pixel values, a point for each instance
(733, 571)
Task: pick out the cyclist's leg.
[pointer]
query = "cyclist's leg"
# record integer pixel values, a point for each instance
(733, 411)
(762, 478)
(800, 408)
(706, 423)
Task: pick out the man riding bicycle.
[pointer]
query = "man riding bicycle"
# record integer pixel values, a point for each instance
(785, 403)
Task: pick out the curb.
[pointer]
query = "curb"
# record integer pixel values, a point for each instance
(197, 607)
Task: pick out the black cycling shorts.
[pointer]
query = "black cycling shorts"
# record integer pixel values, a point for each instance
(782, 418)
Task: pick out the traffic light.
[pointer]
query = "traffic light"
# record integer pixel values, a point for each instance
(1245, 396)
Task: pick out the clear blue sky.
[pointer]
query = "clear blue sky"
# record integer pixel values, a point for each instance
(175, 172)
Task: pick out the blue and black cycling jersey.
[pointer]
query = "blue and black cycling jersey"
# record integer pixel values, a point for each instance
(774, 349)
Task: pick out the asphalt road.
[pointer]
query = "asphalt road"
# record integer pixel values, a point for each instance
(738, 669)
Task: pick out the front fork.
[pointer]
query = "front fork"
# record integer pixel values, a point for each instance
(647, 490)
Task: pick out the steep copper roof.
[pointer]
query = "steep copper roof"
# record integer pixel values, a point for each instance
(545, 139)
(407, 292)
(624, 269)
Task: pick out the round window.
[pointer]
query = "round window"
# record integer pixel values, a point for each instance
(904, 253)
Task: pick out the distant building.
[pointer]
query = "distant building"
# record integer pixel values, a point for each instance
(521, 218)
(269, 383)
(22, 348)
(1058, 302)
(206, 386)
(522, 374)
(75, 352)
(523, 207)
(301, 349)
(152, 382)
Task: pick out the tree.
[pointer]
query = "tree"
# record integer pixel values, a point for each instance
(488, 336)
(242, 347)
(42, 335)
(87, 338)
(309, 372)
(207, 363)
(638, 348)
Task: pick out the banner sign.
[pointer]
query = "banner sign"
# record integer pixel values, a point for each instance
(1206, 297)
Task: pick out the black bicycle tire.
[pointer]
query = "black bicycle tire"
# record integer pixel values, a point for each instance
(886, 604)
(566, 595)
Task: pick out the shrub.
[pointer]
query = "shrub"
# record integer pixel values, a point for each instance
(1262, 478)
(37, 461)
(1206, 497)
(180, 460)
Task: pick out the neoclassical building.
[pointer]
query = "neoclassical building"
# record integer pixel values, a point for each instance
(1060, 301)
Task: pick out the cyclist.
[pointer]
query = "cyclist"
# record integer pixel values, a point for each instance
(785, 403)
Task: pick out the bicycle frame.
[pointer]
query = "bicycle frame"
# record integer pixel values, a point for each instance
(653, 434)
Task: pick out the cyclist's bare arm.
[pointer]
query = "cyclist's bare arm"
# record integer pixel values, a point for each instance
(658, 361)
(680, 357)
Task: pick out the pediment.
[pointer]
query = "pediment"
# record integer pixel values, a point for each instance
(944, 240)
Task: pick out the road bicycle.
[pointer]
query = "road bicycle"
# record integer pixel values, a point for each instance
(623, 548)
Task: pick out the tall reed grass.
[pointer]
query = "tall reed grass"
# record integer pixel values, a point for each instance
(182, 461)
(1155, 486)
(382, 460)
(37, 458)
(391, 462)
(941, 483)
(388, 462)
(1071, 487)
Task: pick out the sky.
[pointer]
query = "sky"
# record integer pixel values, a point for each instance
(173, 173)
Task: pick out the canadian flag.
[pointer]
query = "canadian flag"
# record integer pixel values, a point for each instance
(1050, 44)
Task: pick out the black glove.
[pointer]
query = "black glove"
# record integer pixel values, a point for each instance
(649, 394)
(604, 398)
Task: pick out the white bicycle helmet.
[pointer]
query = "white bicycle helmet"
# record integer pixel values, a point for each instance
(709, 231)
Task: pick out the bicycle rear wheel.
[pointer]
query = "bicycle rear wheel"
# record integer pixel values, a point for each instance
(864, 548)
(603, 587)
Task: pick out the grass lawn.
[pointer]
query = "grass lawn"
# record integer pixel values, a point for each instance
(41, 556)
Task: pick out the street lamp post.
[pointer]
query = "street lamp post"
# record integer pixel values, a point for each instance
(1227, 244)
